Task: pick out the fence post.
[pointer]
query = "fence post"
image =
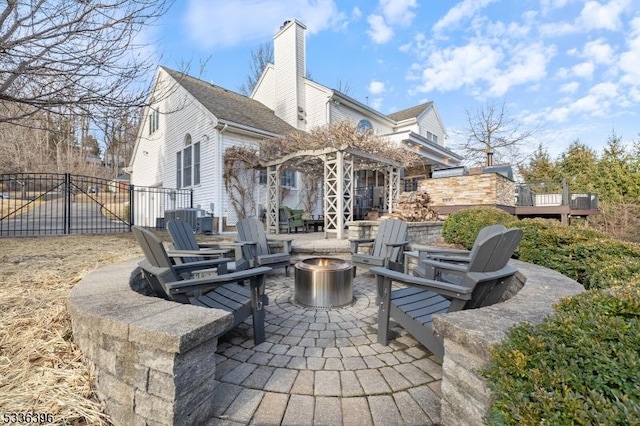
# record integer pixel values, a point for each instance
(191, 198)
(67, 204)
(131, 206)
(565, 192)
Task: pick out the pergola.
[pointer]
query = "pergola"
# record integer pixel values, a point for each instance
(339, 165)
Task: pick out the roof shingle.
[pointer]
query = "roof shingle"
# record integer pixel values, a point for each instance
(412, 112)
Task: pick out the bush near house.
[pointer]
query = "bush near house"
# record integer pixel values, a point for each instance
(580, 366)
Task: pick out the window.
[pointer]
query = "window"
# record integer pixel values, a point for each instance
(154, 120)
(433, 138)
(179, 169)
(196, 163)
(289, 179)
(188, 164)
(262, 177)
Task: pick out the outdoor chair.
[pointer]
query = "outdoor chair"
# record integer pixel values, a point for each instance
(387, 247)
(188, 249)
(454, 255)
(290, 219)
(214, 289)
(257, 250)
(481, 282)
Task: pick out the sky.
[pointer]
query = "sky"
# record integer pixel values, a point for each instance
(567, 69)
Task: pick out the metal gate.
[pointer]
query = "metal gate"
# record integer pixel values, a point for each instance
(50, 204)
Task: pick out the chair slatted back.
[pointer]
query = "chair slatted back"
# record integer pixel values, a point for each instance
(250, 229)
(182, 237)
(156, 255)
(389, 231)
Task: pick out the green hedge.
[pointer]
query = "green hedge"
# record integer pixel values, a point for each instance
(581, 365)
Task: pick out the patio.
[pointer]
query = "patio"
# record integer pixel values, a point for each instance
(323, 366)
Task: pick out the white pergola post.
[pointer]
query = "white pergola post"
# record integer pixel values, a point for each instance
(273, 198)
(393, 190)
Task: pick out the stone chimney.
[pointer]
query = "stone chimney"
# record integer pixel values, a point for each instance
(289, 48)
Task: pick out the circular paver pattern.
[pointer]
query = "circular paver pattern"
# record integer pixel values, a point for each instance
(324, 366)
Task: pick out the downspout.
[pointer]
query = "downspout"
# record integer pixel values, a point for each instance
(221, 189)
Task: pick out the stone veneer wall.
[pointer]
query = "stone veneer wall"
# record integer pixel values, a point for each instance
(418, 232)
(154, 359)
(487, 188)
(469, 336)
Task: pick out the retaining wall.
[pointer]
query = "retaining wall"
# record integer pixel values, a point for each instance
(154, 359)
(469, 335)
(417, 232)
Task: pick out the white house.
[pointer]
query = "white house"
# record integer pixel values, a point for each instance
(190, 124)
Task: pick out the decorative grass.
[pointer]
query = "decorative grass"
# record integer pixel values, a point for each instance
(41, 369)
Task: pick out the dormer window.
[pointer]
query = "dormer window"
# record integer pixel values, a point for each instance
(433, 138)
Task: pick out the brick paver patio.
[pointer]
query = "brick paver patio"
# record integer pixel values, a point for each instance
(324, 367)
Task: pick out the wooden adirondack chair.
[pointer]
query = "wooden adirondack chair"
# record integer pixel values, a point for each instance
(256, 248)
(222, 291)
(480, 283)
(386, 248)
(454, 255)
(187, 248)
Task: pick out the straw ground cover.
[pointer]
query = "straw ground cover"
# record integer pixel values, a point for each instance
(41, 370)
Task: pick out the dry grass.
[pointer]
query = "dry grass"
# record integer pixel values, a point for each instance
(41, 370)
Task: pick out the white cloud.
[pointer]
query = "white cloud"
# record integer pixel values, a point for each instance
(630, 59)
(583, 70)
(398, 11)
(528, 64)
(452, 68)
(597, 16)
(599, 51)
(356, 14)
(463, 10)
(548, 5)
(379, 31)
(570, 87)
(376, 103)
(220, 23)
(376, 87)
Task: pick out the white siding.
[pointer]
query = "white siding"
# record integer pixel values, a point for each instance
(340, 112)
(316, 108)
(428, 121)
(265, 91)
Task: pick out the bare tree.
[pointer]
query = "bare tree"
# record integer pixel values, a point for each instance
(260, 58)
(492, 133)
(73, 57)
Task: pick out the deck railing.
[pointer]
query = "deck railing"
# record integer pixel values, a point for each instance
(554, 193)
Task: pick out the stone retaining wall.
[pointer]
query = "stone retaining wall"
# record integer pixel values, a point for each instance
(154, 359)
(469, 190)
(418, 232)
(469, 335)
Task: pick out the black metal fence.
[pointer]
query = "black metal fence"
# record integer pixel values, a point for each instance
(554, 193)
(50, 204)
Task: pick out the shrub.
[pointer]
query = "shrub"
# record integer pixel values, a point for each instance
(463, 227)
(580, 366)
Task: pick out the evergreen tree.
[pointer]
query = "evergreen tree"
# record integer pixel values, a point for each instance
(579, 166)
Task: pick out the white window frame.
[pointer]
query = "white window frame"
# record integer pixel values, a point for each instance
(188, 161)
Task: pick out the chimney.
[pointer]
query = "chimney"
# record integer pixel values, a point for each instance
(489, 158)
(289, 50)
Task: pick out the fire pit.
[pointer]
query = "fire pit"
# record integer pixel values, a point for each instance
(323, 282)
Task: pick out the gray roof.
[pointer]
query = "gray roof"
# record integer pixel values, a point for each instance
(230, 106)
(412, 112)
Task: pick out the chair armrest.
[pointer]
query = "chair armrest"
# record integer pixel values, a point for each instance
(202, 252)
(400, 244)
(437, 251)
(355, 244)
(286, 244)
(448, 258)
(444, 265)
(446, 289)
(208, 283)
(190, 267)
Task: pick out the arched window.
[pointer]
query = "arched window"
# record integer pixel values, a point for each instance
(188, 164)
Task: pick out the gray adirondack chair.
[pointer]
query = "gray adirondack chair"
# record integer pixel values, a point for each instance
(454, 255)
(481, 282)
(257, 250)
(224, 291)
(387, 247)
(188, 249)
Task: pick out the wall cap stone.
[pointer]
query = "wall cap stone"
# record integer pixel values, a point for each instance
(104, 299)
(480, 329)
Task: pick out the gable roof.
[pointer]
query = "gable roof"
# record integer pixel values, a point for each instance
(412, 112)
(231, 106)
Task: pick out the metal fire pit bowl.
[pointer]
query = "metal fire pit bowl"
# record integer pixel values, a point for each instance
(323, 282)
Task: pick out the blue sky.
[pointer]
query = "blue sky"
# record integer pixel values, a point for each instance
(569, 68)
